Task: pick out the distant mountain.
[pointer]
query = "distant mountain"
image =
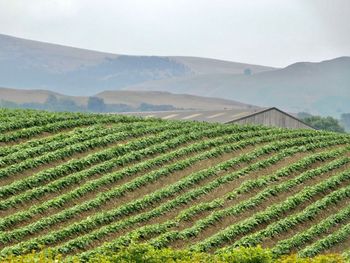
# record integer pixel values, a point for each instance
(35, 96)
(133, 99)
(31, 64)
(319, 88)
(183, 101)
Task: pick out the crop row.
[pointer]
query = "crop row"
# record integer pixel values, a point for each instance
(327, 242)
(136, 183)
(287, 245)
(116, 152)
(139, 204)
(56, 172)
(254, 184)
(184, 198)
(290, 221)
(270, 213)
(35, 121)
(75, 137)
(155, 229)
(10, 149)
(12, 114)
(252, 202)
(65, 124)
(132, 156)
(51, 127)
(75, 148)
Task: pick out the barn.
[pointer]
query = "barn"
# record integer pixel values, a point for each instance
(272, 117)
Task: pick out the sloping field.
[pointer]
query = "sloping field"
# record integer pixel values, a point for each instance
(86, 183)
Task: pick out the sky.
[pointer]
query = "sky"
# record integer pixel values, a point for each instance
(266, 32)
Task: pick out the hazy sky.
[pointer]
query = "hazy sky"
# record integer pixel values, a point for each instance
(268, 32)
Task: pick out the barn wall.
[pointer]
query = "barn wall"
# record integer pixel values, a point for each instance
(274, 118)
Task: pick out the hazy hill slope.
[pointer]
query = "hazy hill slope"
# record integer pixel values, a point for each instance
(210, 66)
(31, 64)
(130, 98)
(184, 101)
(321, 88)
(35, 96)
(88, 183)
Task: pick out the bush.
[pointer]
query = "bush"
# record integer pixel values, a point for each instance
(147, 254)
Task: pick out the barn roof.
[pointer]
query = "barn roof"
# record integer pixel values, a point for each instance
(221, 116)
(217, 116)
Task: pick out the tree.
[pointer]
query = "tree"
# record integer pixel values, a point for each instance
(96, 104)
(324, 123)
(345, 120)
(51, 102)
(247, 72)
(304, 115)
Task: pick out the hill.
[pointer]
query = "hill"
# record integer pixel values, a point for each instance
(133, 99)
(318, 88)
(35, 96)
(182, 101)
(84, 184)
(31, 64)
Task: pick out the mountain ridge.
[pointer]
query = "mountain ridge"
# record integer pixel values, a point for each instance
(315, 87)
(130, 98)
(75, 71)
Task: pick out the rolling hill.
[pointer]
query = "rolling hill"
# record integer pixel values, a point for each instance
(133, 99)
(84, 184)
(318, 88)
(181, 101)
(31, 64)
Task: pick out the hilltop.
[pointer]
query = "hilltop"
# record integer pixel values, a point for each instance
(132, 99)
(29, 64)
(318, 88)
(86, 184)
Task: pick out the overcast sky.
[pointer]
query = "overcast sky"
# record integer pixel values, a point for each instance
(268, 32)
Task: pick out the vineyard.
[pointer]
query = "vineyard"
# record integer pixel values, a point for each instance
(84, 184)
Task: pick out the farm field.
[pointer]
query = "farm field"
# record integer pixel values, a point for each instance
(84, 184)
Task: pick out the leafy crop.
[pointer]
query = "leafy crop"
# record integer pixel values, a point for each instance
(90, 186)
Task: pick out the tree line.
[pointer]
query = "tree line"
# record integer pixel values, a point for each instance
(94, 104)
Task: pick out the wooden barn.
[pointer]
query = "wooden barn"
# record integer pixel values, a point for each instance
(272, 117)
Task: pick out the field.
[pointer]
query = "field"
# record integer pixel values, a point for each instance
(84, 184)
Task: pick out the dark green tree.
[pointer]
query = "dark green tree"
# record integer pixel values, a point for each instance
(324, 123)
(96, 104)
(345, 120)
(304, 115)
(247, 72)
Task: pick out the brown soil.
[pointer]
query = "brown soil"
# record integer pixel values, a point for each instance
(211, 196)
(227, 221)
(75, 156)
(341, 246)
(170, 214)
(130, 196)
(87, 196)
(270, 242)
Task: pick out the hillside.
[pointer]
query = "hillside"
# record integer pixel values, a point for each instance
(31, 64)
(85, 184)
(318, 88)
(183, 101)
(133, 99)
(35, 96)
